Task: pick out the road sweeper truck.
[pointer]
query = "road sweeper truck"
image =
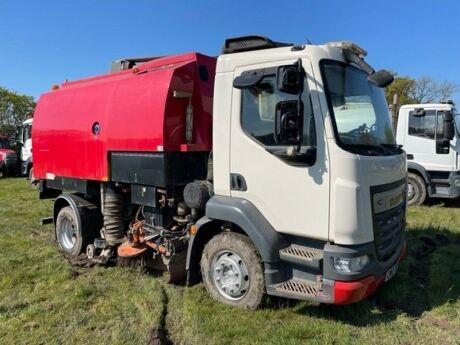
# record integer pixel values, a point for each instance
(271, 169)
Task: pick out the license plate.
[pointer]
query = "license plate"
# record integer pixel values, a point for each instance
(391, 272)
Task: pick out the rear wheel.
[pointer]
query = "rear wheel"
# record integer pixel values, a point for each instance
(232, 270)
(69, 232)
(416, 190)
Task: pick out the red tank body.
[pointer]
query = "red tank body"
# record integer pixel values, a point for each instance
(138, 110)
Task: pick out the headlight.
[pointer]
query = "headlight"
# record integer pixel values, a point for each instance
(348, 265)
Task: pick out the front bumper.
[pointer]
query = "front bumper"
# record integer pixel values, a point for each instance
(346, 292)
(319, 280)
(454, 180)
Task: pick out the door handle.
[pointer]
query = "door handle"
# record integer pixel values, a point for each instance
(410, 156)
(237, 182)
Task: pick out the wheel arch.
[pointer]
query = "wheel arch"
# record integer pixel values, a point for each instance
(206, 229)
(241, 216)
(419, 170)
(88, 214)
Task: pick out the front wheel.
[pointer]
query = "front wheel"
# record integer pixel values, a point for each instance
(416, 190)
(69, 232)
(232, 270)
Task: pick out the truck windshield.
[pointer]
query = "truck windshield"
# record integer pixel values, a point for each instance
(4, 144)
(359, 110)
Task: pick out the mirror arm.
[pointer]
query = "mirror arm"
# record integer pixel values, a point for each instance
(299, 107)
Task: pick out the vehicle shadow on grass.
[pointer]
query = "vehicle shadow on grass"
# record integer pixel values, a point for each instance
(427, 278)
(447, 203)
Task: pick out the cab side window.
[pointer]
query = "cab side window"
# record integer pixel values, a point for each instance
(440, 125)
(423, 126)
(258, 112)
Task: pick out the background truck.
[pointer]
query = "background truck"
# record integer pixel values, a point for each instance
(25, 140)
(8, 158)
(271, 169)
(427, 133)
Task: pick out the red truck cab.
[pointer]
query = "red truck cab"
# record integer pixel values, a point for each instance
(8, 158)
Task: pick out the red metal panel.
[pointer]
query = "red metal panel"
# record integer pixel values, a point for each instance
(136, 111)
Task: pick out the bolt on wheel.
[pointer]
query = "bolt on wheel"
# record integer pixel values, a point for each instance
(230, 275)
(232, 270)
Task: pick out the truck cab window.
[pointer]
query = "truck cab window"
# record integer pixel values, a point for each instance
(27, 134)
(4, 144)
(440, 125)
(423, 126)
(258, 112)
(358, 108)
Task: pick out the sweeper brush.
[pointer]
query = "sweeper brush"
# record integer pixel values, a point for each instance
(141, 250)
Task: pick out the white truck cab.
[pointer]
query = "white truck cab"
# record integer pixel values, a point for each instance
(25, 139)
(308, 142)
(427, 134)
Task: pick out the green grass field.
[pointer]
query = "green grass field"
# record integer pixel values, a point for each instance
(44, 299)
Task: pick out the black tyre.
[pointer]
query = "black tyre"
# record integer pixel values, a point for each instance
(232, 270)
(69, 233)
(416, 190)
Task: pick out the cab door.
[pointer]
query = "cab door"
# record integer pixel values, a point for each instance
(292, 195)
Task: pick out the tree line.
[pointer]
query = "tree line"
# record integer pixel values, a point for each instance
(14, 109)
(421, 90)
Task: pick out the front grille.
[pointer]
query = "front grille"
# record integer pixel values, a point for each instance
(10, 159)
(389, 231)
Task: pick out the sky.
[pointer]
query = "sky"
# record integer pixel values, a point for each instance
(44, 42)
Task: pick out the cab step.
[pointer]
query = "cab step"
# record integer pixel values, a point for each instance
(296, 288)
(305, 256)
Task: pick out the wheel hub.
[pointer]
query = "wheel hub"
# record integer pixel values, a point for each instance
(68, 234)
(230, 275)
(410, 191)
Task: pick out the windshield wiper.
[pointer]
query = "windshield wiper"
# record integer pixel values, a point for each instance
(394, 147)
(369, 148)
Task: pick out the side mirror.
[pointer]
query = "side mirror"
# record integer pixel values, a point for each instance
(448, 116)
(288, 123)
(448, 126)
(289, 79)
(248, 79)
(381, 78)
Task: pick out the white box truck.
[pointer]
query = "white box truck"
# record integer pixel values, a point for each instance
(427, 134)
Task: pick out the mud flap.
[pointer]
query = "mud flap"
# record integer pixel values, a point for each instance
(176, 267)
